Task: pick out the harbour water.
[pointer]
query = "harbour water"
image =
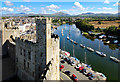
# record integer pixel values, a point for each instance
(98, 63)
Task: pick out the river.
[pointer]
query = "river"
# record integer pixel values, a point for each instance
(98, 63)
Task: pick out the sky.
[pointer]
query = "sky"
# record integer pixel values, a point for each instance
(73, 7)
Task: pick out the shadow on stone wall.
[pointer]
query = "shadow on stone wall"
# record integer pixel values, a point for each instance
(8, 61)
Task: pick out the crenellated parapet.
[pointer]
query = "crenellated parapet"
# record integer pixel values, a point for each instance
(24, 41)
(43, 20)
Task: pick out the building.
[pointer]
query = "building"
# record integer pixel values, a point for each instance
(38, 58)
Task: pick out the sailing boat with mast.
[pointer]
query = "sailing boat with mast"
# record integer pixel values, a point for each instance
(99, 52)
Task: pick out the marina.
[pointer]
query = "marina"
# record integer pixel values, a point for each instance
(100, 64)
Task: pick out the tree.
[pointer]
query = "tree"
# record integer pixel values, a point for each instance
(99, 22)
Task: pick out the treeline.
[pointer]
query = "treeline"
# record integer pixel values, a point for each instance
(112, 30)
(61, 20)
(83, 25)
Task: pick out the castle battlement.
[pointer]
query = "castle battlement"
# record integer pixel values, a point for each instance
(25, 41)
(43, 20)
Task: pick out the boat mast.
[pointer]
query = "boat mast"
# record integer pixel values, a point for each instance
(99, 45)
(85, 56)
(73, 51)
(64, 43)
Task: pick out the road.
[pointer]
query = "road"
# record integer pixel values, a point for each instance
(70, 68)
(64, 77)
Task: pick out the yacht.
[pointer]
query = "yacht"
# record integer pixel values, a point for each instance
(82, 45)
(90, 49)
(114, 59)
(67, 37)
(101, 53)
(75, 42)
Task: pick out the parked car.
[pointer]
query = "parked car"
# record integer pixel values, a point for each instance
(62, 61)
(74, 78)
(89, 74)
(92, 77)
(73, 63)
(67, 59)
(61, 55)
(67, 72)
(86, 72)
(61, 67)
(77, 66)
(80, 68)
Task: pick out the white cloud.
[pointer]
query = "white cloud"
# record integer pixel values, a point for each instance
(6, 9)
(49, 8)
(105, 8)
(8, 3)
(52, 7)
(23, 9)
(106, 1)
(66, 11)
(116, 4)
(78, 5)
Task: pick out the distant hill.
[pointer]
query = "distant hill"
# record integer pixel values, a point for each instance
(97, 14)
(61, 14)
(89, 13)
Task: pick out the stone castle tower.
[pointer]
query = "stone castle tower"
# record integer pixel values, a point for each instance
(39, 60)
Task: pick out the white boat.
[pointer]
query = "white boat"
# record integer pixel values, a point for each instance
(90, 49)
(100, 75)
(75, 42)
(101, 53)
(114, 59)
(71, 40)
(82, 45)
(67, 37)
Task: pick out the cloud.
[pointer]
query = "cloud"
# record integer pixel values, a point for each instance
(49, 8)
(106, 1)
(6, 9)
(52, 7)
(105, 8)
(23, 9)
(78, 5)
(66, 11)
(8, 3)
(116, 4)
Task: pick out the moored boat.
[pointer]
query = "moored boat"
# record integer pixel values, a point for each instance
(71, 40)
(75, 42)
(82, 45)
(90, 49)
(101, 53)
(67, 37)
(114, 59)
